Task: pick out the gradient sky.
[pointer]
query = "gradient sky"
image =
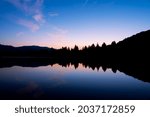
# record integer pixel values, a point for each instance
(57, 23)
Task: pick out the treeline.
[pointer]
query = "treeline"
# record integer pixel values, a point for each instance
(133, 49)
(87, 52)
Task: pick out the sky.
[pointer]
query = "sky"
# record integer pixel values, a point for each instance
(57, 23)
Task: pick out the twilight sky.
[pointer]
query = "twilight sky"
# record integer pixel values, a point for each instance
(57, 23)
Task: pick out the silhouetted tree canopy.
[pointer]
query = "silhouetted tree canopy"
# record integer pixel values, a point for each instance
(103, 45)
(97, 46)
(113, 43)
(76, 48)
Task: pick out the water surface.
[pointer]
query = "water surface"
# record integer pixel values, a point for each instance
(57, 82)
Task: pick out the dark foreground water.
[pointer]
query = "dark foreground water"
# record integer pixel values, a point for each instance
(57, 82)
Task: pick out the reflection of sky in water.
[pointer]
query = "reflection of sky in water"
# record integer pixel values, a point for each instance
(82, 82)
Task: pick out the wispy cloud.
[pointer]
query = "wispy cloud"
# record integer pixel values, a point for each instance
(53, 14)
(30, 8)
(28, 24)
(39, 18)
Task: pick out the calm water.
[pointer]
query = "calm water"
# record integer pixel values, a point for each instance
(57, 82)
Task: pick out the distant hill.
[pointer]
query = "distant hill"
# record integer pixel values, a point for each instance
(28, 51)
(135, 47)
(136, 41)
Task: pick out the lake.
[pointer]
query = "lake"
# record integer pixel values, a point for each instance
(71, 82)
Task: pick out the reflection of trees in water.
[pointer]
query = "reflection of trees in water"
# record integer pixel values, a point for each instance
(136, 70)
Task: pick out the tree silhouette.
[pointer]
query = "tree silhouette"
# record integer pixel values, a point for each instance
(76, 48)
(93, 46)
(104, 45)
(97, 46)
(113, 43)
